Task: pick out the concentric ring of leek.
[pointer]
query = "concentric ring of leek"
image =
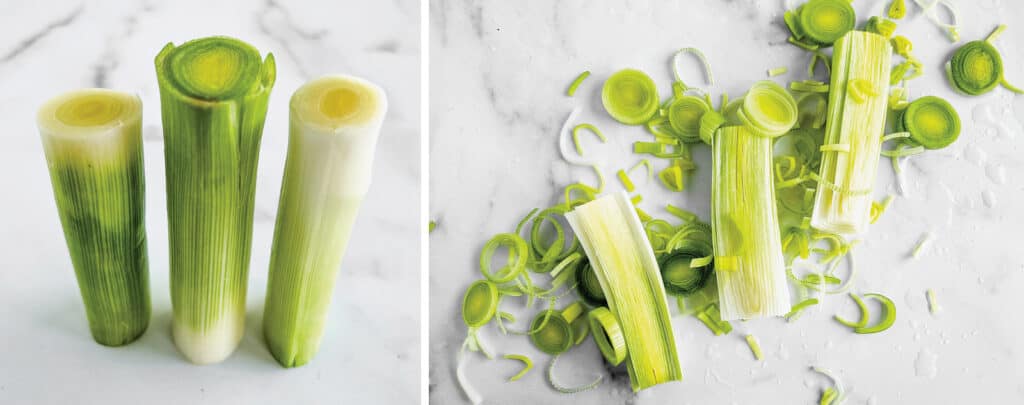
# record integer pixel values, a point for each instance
(552, 336)
(932, 122)
(768, 109)
(91, 108)
(608, 335)
(976, 68)
(684, 114)
(825, 21)
(213, 68)
(630, 97)
(517, 256)
(679, 277)
(480, 303)
(335, 101)
(588, 287)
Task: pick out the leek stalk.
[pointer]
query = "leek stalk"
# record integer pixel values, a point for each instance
(213, 96)
(93, 144)
(335, 122)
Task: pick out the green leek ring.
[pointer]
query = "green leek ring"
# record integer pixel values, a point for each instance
(480, 303)
(608, 335)
(823, 22)
(932, 122)
(630, 97)
(550, 332)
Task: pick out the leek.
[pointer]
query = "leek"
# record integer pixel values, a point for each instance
(621, 256)
(749, 264)
(856, 117)
(93, 144)
(335, 122)
(213, 96)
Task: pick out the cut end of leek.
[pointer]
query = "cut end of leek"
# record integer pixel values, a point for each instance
(333, 102)
(215, 68)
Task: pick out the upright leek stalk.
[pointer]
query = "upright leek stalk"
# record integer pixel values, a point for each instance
(335, 121)
(623, 261)
(745, 227)
(213, 96)
(93, 144)
(857, 108)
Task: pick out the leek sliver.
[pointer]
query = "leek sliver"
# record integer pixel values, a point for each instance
(621, 255)
(335, 122)
(745, 227)
(93, 144)
(630, 97)
(213, 98)
(842, 203)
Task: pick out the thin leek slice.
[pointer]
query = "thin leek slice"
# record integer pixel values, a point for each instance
(608, 335)
(569, 390)
(863, 321)
(976, 68)
(213, 95)
(630, 97)
(588, 286)
(527, 365)
(617, 247)
(681, 275)
(921, 246)
(933, 304)
(798, 309)
(550, 332)
(897, 9)
(93, 144)
(576, 83)
(843, 205)
(589, 127)
(480, 303)
(712, 318)
(768, 109)
(930, 9)
(755, 347)
(824, 21)
(881, 26)
(684, 114)
(518, 254)
(888, 315)
(746, 227)
(931, 122)
(777, 71)
(700, 57)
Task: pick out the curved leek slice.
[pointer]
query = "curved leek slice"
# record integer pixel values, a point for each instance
(527, 365)
(682, 271)
(480, 303)
(588, 287)
(335, 123)
(700, 57)
(746, 227)
(568, 390)
(976, 68)
(518, 254)
(550, 332)
(824, 21)
(768, 109)
(843, 205)
(930, 9)
(897, 9)
(863, 321)
(213, 97)
(684, 114)
(577, 82)
(932, 122)
(888, 315)
(93, 144)
(607, 335)
(630, 97)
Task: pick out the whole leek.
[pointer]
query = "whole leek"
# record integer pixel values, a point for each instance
(93, 144)
(857, 107)
(335, 122)
(745, 227)
(213, 96)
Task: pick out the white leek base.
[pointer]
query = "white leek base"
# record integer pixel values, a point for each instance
(212, 346)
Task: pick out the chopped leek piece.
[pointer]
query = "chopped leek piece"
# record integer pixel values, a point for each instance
(933, 305)
(832, 395)
(213, 95)
(608, 335)
(568, 390)
(527, 365)
(888, 315)
(518, 253)
(626, 182)
(902, 46)
(630, 97)
(681, 275)
(863, 321)
(617, 247)
(588, 287)
(93, 144)
(700, 57)
(576, 135)
(480, 303)
(755, 347)
(842, 204)
(930, 9)
(977, 67)
(810, 86)
(684, 114)
(778, 71)
(431, 226)
(550, 332)
(925, 240)
(877, 209)
(897, 9)
(713, 320)
(799, 307)
(576, 83)
(768, 109)
(823, 22)
(881, 26)
(932, 122)
(746, 227)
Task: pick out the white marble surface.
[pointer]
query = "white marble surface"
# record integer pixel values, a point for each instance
(370, 350)
(499, 70)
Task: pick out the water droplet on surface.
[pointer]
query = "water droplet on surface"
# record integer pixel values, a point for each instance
(989, 198)
(996, 173)
(926, 364)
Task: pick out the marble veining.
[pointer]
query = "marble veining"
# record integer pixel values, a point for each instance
(372, 337)
(499, 71)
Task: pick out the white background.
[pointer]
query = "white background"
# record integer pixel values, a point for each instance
(499, 71)
(370, 350)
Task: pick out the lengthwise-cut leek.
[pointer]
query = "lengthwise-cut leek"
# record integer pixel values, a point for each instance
(93, 144)
(335, 122)
(857, 109)
(213, 96)
(620, 254)
(749, 264)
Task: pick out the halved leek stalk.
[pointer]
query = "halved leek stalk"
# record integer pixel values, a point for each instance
(335, 122)
(749, 264)
(213, 96)
(93, 144)
(856, 117)
(623, 261)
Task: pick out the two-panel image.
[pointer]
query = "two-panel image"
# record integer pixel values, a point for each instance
(506, 202)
